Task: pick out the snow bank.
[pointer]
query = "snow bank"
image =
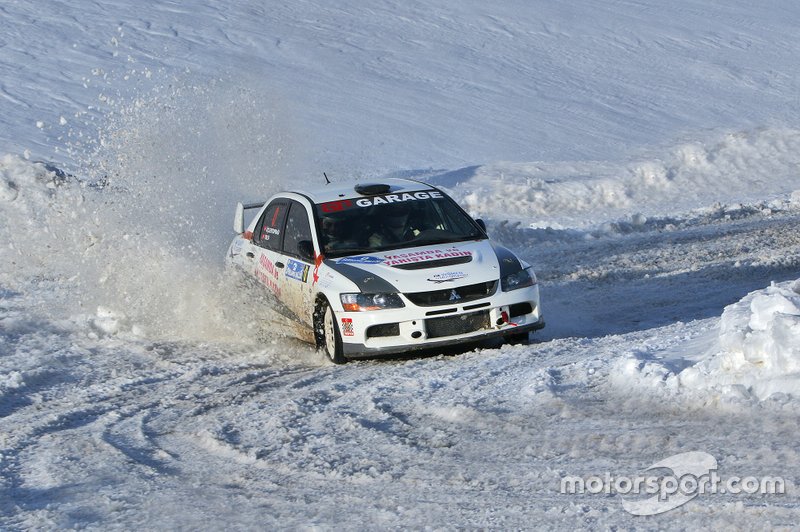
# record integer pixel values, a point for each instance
(759, 345)
(732, 168)
(752, 354)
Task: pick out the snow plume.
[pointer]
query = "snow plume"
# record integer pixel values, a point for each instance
(40, 213)
(143, 232)
(183, 155)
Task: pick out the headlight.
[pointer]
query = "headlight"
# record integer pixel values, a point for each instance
(520, 279)
(361, 302)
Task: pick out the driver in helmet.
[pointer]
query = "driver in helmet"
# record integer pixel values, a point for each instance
(336, 234)
(394, 226)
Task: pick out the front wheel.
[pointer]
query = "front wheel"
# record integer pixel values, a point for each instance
(328, 337)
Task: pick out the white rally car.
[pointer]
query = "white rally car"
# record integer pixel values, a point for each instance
(372, 269)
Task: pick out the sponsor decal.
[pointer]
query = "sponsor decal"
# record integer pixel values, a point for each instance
(446, 277)
(421, 256)
(398, 198)
(335, 206)
(267, 232)
(267, 273)
(347, 327)
(363, 259)
(297, 270)
(341, 205)
(326, 280)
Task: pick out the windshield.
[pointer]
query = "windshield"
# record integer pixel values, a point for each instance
(392, 221)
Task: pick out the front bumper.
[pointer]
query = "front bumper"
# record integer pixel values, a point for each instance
(366, 334)
(362, 351)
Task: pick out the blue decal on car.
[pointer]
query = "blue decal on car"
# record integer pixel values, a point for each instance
(446, 277)
(364, 259)
(297, 270)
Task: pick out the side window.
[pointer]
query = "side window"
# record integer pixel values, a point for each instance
(270, 229)
(297, 229)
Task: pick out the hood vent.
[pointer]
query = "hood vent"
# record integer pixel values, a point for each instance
(424, 265)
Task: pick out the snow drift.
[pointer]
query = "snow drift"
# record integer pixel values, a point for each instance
(759, 346)
(731, 167)
(751, 354)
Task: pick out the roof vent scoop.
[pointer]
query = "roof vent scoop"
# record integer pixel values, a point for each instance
(370, 189)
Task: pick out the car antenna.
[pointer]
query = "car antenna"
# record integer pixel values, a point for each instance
(327, 181)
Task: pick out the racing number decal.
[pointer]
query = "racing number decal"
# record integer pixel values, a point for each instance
(297, 270)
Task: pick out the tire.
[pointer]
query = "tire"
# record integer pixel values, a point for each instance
(329, 339)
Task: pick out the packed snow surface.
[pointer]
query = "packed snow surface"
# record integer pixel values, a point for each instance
(643, 156)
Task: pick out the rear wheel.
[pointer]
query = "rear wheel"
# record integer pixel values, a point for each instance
(329, 339)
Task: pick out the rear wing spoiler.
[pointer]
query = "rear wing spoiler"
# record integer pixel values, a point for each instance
(238, 217)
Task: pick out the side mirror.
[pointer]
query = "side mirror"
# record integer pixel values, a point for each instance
(306, 250)
(481, 224)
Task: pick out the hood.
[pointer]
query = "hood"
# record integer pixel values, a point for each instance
(426, 268)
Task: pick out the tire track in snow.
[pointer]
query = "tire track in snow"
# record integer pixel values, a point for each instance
(128, 418)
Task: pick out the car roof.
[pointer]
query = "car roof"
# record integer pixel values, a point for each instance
(336, 191)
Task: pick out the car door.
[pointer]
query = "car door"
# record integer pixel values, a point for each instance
(266, 246)
(298, 266)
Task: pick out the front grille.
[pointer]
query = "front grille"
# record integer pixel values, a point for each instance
(425, 264)
(383, 330)
(455, 325)
(450, 296)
